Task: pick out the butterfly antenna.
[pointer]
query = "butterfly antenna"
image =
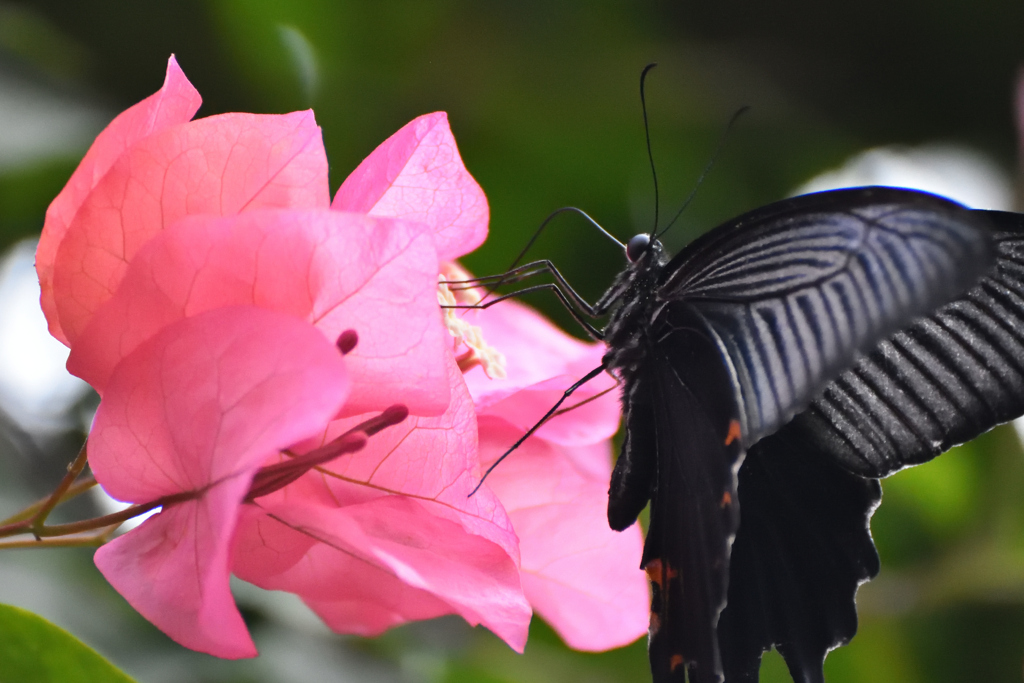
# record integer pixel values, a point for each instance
(647, 134)
(564, 209)
(707, 169)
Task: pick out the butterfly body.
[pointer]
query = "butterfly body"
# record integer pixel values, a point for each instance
(718, 349)
(627, 333)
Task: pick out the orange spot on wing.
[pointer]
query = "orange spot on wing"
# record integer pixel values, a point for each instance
(675, 662)
(654, 572)
(734, 432)
(726, 499)
(658, 572)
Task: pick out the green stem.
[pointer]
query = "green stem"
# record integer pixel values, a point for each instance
(107, 522)
(74, 469)
(30, 512)
(115, 519)
(77, 540)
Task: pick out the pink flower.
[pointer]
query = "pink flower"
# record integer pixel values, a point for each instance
(211, 341)
(201, 280)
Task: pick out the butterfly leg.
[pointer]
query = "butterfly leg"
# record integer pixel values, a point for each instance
(573, 310)
(554, 409)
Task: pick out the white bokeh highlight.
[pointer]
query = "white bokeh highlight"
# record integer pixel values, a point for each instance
(35, 388)
(961, 173)
(38, 123)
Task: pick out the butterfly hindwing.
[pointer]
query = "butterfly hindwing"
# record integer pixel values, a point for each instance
(796, 289)
(941, 381)
(800, 553)
(694, 514)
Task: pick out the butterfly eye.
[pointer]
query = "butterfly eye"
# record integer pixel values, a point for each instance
(637, 246)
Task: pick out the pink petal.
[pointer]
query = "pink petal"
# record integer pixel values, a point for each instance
(265, 550)
(542, 362)
(376, 600)
(582, 577)
(219, 165)
(174, 570)
(433, 459)
(338, 270)
(176, 102)
(589, 416)
(417, 174)
(198, 408)
(385, 562)
(211, 396)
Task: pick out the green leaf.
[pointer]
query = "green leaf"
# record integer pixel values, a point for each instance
(32, 650)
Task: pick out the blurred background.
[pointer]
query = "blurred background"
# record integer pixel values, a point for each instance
(543, 100)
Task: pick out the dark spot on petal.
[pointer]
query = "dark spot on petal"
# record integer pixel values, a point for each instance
(347, 341)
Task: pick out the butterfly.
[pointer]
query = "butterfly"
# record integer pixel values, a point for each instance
(771, 373)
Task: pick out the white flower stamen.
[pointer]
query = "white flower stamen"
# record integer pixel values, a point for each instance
(478, 351)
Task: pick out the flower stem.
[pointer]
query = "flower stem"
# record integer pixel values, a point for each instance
(32, 520)
(76, 489)
(114, 519)
(74, 469)
(74, 540)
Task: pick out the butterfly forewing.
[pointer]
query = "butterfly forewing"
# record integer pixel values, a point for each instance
(941, 381)
(797, 289)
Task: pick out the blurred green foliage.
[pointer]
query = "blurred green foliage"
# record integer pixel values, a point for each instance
(543, 100)
(33, 650)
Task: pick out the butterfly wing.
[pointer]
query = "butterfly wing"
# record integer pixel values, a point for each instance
(756, 318)
(804, 545)
(694, 443)
(940, 382)
(800, 554)
(796, 289)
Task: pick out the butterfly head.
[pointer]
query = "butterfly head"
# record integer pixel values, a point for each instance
(636, 246)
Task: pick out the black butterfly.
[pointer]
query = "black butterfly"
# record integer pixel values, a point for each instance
(779, 366)
(783, 363)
